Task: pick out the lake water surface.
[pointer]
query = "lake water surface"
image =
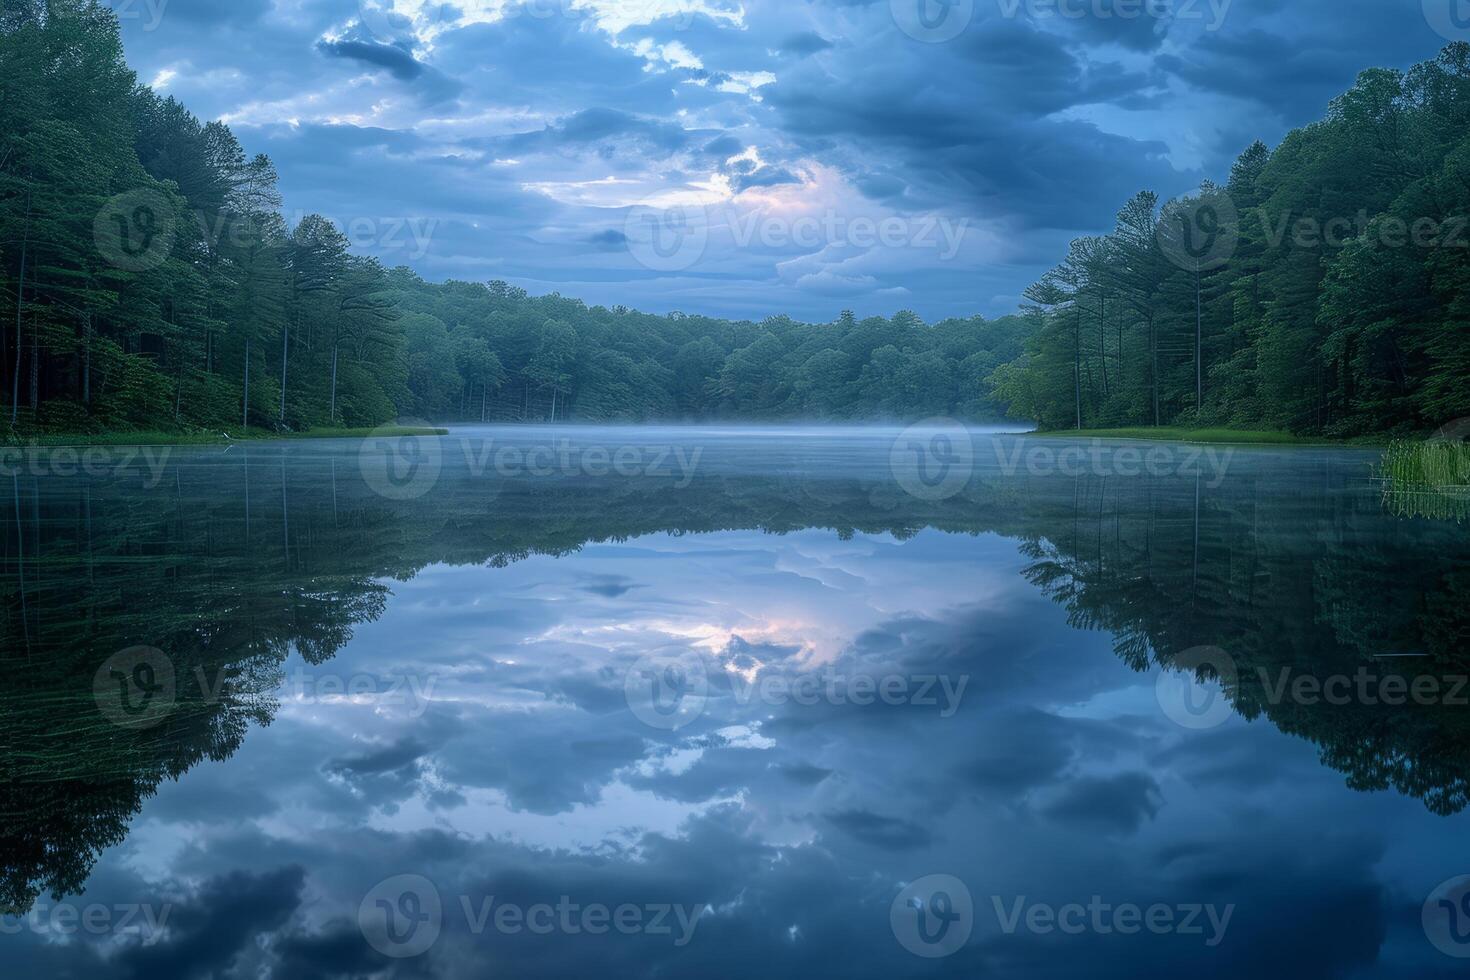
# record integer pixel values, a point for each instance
(689, 702)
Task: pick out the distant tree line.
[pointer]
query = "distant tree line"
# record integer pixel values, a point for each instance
(149, 280)
(1325, 288)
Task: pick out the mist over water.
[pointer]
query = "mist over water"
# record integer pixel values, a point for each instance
(757, 686)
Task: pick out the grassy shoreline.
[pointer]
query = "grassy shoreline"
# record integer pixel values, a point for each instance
(208, 438)
(1239, 437)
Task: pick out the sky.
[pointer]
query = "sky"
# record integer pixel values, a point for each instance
(748, 159)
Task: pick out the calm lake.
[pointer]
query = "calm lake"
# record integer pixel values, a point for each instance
(686, 702)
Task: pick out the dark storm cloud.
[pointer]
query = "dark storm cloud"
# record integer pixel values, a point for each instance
(206, 933)
(880, 831)
(804, 43)
(1035, 129)
(765, 177)
(389, 758)
(1117, 804)
(603, 125)
(398, 61)
(611, 238)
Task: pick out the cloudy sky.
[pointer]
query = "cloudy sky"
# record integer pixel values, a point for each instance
(757, 157)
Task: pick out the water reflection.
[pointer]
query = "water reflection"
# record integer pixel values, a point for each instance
(764, 678)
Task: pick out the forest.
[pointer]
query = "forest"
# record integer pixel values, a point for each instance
(151, 282)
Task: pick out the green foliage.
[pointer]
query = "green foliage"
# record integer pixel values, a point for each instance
(1322, 311)
(1427, 479)
(237, 319)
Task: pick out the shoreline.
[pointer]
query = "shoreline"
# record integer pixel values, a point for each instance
(1264, 438)
(1218, 436)
(222, 438)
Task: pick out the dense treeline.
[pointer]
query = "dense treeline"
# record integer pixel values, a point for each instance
(149, 280)
(478, 351)
(154, 283)
(1325, 288)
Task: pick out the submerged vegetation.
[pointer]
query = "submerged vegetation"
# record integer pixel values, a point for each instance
(1427, 479)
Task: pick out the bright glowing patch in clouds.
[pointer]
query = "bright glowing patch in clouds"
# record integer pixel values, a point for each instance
(436, 107)
(616, 16)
